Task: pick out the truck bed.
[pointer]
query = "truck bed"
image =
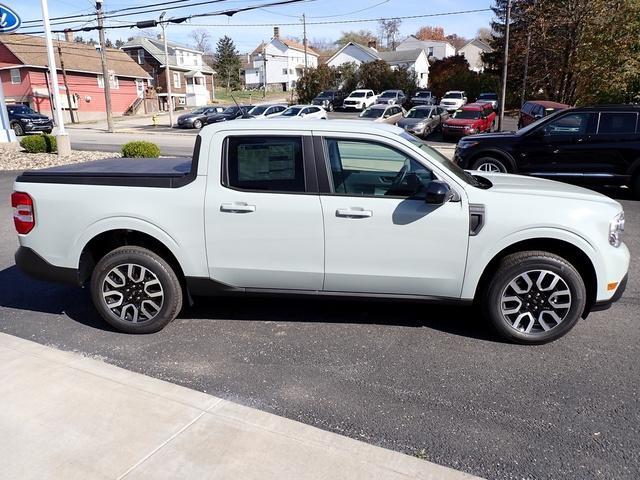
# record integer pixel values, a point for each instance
(138, 172)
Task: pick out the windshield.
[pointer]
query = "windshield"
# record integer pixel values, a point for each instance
(453, 95)
(418, 113)
(388, 94)
(467, 114)
(231, 110)
(357, 94)
(291, 112)
(487, 96)
(444, 162)
(534, 125)
(423, 94)
(325, 95)
(258, 110)
(372, 113)
(19, 109)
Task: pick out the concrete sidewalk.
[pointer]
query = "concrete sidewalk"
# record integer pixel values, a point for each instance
(71, 417)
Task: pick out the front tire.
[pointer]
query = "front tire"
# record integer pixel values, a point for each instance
(197, 124)
(136, 290)
(490, 164)
(17, 129)
(534, 297)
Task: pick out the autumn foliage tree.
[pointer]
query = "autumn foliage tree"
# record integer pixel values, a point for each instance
(430, 33)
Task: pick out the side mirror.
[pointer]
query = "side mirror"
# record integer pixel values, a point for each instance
(537, 117)
(437, 192)
(303, 114)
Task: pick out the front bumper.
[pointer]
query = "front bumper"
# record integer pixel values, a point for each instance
(606, 304)
(37, 127)
(36, 267)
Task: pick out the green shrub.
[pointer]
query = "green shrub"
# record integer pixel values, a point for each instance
(39, 143)
(140, 149)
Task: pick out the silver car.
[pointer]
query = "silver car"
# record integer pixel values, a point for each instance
(383, 114)
(423, 120)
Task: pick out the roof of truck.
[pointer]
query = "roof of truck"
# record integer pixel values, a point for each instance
(294, 124)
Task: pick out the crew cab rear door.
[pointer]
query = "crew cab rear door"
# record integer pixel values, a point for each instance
(263, 218)
(381, 236)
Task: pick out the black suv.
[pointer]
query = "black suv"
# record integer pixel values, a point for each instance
(330, 100)
(587, 145)
(24, 120)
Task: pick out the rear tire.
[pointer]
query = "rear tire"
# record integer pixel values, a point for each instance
(136, 290)
(489, 164)
(534, 297)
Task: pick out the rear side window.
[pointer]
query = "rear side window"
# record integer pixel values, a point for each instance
(618, 123)
(265, 164)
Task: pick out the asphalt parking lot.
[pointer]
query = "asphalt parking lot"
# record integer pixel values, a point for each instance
(424, 380)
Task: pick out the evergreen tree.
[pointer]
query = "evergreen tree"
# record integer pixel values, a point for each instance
(227, 63)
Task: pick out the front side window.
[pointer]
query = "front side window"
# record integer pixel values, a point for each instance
(571, 124)
(617, 123)
(363, 168)
(273, 164)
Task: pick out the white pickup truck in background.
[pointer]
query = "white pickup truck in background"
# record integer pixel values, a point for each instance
(360, 99)
(317, 208)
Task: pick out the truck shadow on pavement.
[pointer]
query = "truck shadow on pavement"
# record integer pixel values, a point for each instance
(19, 292)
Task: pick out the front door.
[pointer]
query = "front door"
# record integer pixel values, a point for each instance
(263, 222)
(380, 235)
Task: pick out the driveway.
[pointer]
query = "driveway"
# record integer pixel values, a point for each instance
(424, 380)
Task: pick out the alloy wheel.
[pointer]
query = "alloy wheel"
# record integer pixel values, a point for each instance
(489, 167)
(133, 293)
(536, 301)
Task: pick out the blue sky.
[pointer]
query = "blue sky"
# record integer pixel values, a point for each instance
(246, 38)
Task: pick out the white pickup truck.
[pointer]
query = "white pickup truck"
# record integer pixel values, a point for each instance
(337, 208)
(360, 99)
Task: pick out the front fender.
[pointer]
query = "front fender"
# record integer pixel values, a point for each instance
(480, 256)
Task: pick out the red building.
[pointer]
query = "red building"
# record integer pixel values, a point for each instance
(25, 77)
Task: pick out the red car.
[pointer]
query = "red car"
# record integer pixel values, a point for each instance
(468, 120)
(536, 109)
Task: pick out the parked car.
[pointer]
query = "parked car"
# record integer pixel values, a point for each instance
(423, 97)
(229, 113)
(312, 213)
(469, 120)
(24, 120)
(265, 111)
(330, 100)
(392, 97)
(307, 112)
(587, 145)
(359, 100)
(423, 120)
(491, 98)
(198, 117)
(537, 109)
(383, 114)
(453, 100)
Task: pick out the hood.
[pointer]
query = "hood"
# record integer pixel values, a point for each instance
(410, 121)
(479, 137)
(30, 116)
(525, 185)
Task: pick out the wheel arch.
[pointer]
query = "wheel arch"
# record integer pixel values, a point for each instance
(104, 242)
(567, 250)
(499, 154)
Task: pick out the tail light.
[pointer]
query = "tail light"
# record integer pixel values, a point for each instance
(23, 215)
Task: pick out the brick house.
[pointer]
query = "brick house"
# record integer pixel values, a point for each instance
(192, 81)
(25, 77)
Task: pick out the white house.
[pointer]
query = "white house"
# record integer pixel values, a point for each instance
(415, 60)
(473, 51)
(438, 49)
(279, 63)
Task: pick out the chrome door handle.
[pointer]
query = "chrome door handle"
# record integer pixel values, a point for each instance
(237, 207)
(354, 212)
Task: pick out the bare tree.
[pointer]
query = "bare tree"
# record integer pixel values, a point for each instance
(202, 41)
(484, 34)
(389, 30)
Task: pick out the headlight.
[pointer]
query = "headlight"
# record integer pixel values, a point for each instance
(616, 227)
(462, 144)
(27, 120)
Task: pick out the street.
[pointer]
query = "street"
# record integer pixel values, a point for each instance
(429, 381)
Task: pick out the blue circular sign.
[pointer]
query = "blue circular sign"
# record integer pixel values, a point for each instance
(9, 20)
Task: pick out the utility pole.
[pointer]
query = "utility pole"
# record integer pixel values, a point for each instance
(304, 39)
(503, 94)
(66, 84)
(264, 68)
(106, 78)
(62, 138)
(167, 71)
